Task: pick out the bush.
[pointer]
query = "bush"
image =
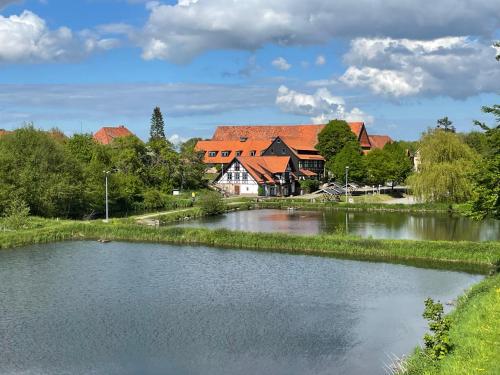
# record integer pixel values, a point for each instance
(437, 345)
(309, 186)
(16, 215)
(211, 203)
(261, 192)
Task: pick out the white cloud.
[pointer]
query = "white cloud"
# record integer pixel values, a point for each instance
(321, 106)
(26, 38)
(320, 60)
(281, 64)
(177, 140)
(451, 66)
(184, 30)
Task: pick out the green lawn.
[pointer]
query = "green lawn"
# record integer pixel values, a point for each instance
(475, 334)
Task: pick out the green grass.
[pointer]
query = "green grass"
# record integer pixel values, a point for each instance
(475, 334)
(469, 256)
(301, 203)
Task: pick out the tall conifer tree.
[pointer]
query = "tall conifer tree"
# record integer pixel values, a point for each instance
(157, 130)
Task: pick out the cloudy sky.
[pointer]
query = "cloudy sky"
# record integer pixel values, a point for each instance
(398, 65)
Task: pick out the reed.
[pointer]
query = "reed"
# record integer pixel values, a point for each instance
(482, 257)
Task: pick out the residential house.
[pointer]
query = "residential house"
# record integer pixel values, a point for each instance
(258, 175)
(107, 134)
(296, 141)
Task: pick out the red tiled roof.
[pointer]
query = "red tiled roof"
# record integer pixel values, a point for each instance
(106, 134)
(4, 132)
(232, 146)
(305, 137)
(262, 168)
(379, 141)
(307, 172)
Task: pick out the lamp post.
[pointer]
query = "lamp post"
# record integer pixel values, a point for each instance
(106, 173)
(346, 174)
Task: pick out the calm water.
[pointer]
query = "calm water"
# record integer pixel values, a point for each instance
(377, 224)
(117, 308)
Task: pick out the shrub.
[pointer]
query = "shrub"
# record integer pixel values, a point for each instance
(16, 215)
(437, 345)
(211, 203)
(261, 192)
(309, 186)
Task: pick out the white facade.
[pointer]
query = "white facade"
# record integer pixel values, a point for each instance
(236, 180)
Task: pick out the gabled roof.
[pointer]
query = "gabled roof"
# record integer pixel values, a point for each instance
(299, 137)
(379, 141)
(106, 134)
(263, 168)
(232, 146)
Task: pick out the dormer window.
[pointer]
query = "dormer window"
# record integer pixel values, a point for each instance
(253, 153)
(243, 139)
(238, 153)
(212, 154)
(225, 153)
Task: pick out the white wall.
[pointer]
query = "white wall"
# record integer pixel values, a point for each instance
(247, 187)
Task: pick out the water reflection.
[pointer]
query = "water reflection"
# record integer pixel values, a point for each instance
(376, 224)
(123, 308)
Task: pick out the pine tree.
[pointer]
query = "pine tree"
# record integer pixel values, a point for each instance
(157, 125)
(445, 124)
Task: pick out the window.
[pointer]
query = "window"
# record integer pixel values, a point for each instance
(229, 176)
(237, 176)
(225, 153)
(252, 153)
(238, 153)
(236, 166)
(283, 151)
(212, 154)
(244, 176)
(278, 140)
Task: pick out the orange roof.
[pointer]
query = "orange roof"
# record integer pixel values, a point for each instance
(232, 146)
(106, 134)
(379, 141)
(307, 172)
(262, 168)
(304, 137)
(4, 132)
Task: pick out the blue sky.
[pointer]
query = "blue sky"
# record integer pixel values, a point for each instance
(397, 65)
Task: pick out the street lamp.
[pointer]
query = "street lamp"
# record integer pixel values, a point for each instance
(346, 174)
(106, 173)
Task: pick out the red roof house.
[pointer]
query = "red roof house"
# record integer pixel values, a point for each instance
(107, 134)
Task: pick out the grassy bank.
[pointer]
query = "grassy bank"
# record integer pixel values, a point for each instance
(301, 203)
(475, 334)
(470, 256)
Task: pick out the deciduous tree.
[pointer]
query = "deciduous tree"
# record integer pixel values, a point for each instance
(334, 136)
(446, 168)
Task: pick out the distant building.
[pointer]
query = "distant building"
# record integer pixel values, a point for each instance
(259, 175)
(4, 132)
(379, 141)
(107, 134)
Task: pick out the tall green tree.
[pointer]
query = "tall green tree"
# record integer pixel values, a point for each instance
(349, 156)
(332, 139)
(157, 130)
(191, 167)
(446, 168)
(486, 198)
(390, 164)
(445, 124)
(36, 168)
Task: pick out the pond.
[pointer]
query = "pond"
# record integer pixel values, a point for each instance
(376, 224)
(123, 308)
